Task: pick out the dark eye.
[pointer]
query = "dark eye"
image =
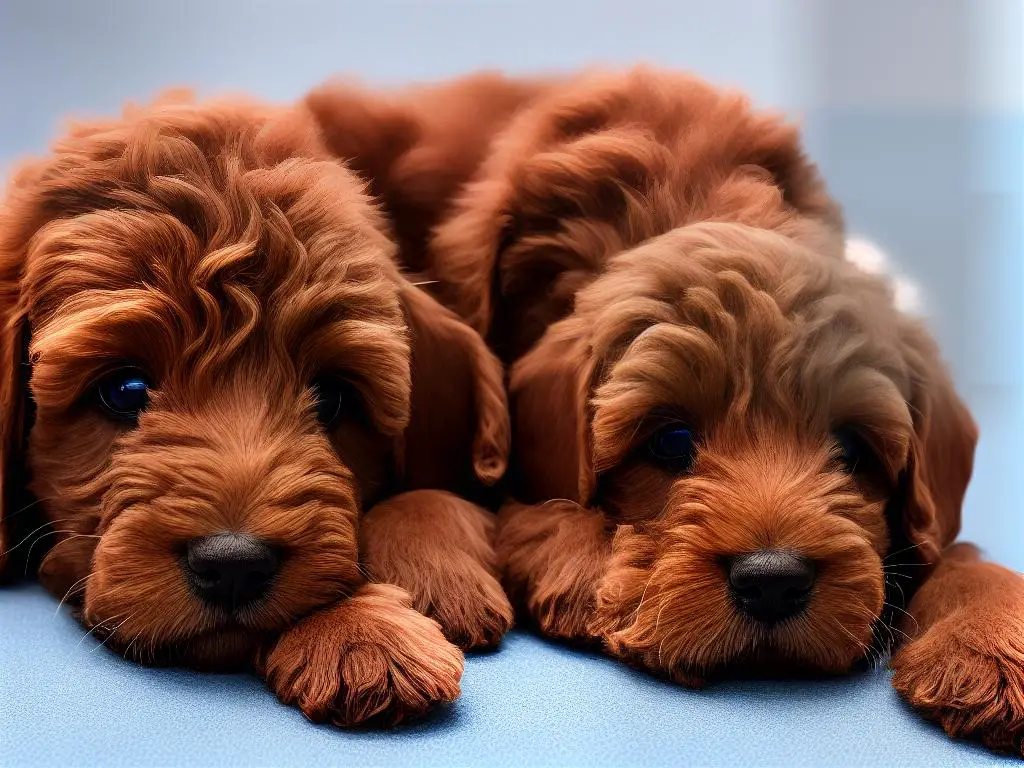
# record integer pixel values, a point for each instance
(852, 450)
(672, 445)
(124, 394)
(331, 396)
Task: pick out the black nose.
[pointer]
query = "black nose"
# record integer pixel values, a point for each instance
(771, 584)
(230, 570)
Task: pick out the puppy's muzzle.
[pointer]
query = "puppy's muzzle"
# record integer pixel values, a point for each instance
(771, 585)
(230, 570)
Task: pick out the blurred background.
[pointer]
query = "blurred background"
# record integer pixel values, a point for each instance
(913, 108)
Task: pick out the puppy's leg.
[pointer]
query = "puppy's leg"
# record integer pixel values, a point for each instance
(369, 658)
(553, 556)
(964, 666)
(439, 547)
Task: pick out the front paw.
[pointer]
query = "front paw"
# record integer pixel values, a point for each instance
(469, 604)
(967, 673)
(562, 608)
(553, 556)
(372, 658)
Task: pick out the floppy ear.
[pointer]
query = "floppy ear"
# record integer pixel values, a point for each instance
(549, 392)
(458, 434)
(941, 451)
(368, 131)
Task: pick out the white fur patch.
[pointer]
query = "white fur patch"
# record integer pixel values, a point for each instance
(872, 259)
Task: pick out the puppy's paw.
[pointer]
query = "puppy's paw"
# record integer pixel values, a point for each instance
(553, 556)
(967, 673)
(371, 659)
(468, 603)
(564, 608)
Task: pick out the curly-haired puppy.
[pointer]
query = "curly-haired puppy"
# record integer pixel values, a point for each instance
(210, 365)
(730, 449)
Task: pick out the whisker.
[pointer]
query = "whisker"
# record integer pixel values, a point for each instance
(98, 625)
(110, 634)
(29, 506)
(71, 535)
(905, 565)
(896, 574)
(33, 533)
(68, 594)
(917, 627)
(897, 585)
(555, 501)
(900, 551)
(137, 636)
(860, 643)
(643, 596)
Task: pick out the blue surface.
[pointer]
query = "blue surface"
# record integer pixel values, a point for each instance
(65, 701)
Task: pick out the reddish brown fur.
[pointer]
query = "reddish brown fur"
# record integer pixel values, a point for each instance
(465, 596)
(417, 146)
(224, 249)
(641, 247)
(371, 658)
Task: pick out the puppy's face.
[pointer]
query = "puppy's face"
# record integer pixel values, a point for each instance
(752, 418)
(220, 366)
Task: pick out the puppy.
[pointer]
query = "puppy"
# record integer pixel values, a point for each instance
(211, 364)
(730, 449)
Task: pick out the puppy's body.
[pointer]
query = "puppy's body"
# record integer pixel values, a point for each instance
(704, 391)
(211, 365)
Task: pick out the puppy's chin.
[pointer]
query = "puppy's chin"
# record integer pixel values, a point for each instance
(226, 649)
(178, 630)
(665, 605)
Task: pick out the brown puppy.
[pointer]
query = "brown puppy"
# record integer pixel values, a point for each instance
(730, 449)
(210, 365)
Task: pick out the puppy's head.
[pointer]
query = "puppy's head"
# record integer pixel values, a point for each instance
(774, 439)
(597, 164)
(210, 364)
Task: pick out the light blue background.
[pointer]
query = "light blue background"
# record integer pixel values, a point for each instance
(912, 108)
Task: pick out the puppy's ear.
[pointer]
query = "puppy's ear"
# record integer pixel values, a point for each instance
(368, 131)
(550, 390)
(941, 451)
(458, 434)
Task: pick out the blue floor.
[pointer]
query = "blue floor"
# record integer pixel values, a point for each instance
(69, 702)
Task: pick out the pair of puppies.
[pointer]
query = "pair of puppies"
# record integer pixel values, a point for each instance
(729, 448)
